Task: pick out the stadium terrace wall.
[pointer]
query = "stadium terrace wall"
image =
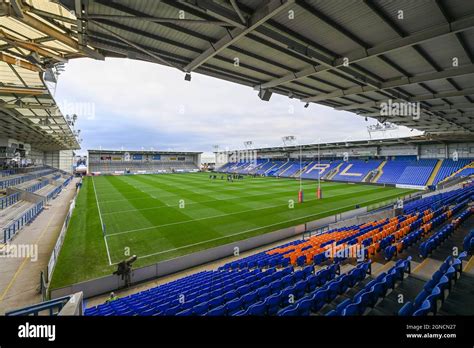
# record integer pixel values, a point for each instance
(106, 284)
(363, 218)
(413, 187)
(59, 242)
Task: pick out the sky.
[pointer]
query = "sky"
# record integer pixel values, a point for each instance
(123, 103)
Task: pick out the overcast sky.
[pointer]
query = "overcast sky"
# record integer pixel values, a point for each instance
(133, 104)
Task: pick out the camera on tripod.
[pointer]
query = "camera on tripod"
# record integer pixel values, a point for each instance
(124, 269)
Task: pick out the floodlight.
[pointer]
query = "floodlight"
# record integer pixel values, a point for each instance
(264, 94)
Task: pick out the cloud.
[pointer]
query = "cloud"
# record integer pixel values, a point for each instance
(138, 104)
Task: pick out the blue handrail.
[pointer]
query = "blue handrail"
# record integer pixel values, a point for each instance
(9, 200)
(17, 224)
(53, 306)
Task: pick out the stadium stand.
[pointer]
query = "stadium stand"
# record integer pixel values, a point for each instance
(266, 167)
(136, 167)
(355, 170)
(437, 289)
(449, 167)
(317, 170)
(142, 162)
(25, 200)
(417, 173)
(9, 200)
(468, 242)
(17, 179)
(314, 276)
(403, 170)
(373, 291)
(294, 169)
(465, 172)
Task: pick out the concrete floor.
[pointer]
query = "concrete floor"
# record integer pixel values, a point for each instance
(20, 276)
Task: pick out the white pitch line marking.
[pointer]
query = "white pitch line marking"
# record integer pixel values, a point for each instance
(101, 223)
(215, 216)
(218, 199)
(152, 190)
(242, 232)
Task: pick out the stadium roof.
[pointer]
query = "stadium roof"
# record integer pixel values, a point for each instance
(415, 140)
(150, 152)
(31, 46)
(405, 50)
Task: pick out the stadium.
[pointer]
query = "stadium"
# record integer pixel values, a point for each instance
(380, 226)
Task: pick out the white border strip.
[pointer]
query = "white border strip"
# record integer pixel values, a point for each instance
(101, 222)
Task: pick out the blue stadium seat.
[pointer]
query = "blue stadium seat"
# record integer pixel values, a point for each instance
(319, 299)
(300, 288)
(216, 312)
(299, 275)
(467, 242)
(289, 311)
(308, 270)
(341, 306)
(367, 299)
(215, 302)
(351, 310)
(407, 309)
(186, 312)
(312, 282)
(287, 295)
(249, 298)
(390, 280)
(424, 309)
(301, 260)
(334, 289)
(234, 306)
(451, 274)
(258, 309)
(304, 306)
(287, 280)
(445, 286)
(435, 299)
(273, 304)
(263, 292)
(420, 298)
(230, 295)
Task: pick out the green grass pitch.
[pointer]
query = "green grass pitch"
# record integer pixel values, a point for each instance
(159, 217)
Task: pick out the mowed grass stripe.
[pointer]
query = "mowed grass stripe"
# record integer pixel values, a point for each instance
(255, 224)
(256, 201)
(200, 213)
(196, 179)
(191, 183)
(187, 191)
(83, 254)
(206, 214)
(203, 209)
(138, 217)
(84, 250)
(236, 236)
(216, 209)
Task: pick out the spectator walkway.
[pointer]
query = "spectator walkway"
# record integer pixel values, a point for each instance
(20, 277)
